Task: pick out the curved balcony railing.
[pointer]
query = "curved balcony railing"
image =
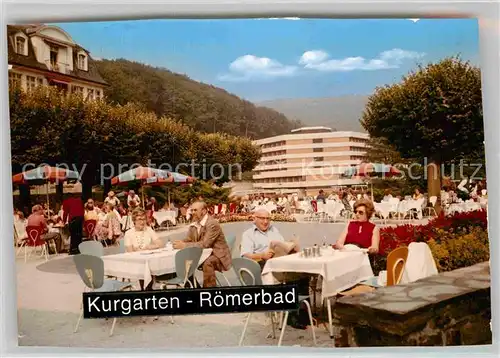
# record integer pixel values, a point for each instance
(60, 67)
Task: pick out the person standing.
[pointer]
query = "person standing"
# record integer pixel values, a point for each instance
(112, 199)
(151, 207)
(73, 214)
(133, 197)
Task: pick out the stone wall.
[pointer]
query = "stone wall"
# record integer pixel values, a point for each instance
(452, 308)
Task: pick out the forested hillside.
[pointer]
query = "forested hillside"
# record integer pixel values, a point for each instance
(203, 107)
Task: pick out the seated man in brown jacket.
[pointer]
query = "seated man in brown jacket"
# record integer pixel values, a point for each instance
(205, 232)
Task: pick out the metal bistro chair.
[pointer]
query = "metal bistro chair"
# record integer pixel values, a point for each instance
(93, 248)
(250, 274)
(91, 271)
(89, 227)
(122, 246)
(186, 262)
(35, 241)
(221, 278)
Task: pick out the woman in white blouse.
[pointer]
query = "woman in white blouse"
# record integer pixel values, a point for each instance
(141, 236)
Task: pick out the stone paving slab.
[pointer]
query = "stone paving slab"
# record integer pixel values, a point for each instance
(48, 308)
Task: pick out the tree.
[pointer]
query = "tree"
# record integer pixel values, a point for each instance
(101, 140)
(435, 114)
(378, 150)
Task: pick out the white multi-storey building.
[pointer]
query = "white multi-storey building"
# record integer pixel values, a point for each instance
(309, 159)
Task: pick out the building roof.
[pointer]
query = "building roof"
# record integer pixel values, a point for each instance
(318, 128)
(30, 60)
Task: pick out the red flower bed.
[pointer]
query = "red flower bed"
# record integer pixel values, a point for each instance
(394, 237)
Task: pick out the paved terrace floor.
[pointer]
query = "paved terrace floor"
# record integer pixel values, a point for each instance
(49, 296)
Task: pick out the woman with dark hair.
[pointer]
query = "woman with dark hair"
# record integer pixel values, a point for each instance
(360, 231)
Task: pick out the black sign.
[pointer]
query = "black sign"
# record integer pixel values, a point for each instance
(190, 301)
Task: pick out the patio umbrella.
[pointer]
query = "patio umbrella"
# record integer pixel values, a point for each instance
(44, 175)
(173, 177)
(140, 174)
(349, 172)
(368, 170)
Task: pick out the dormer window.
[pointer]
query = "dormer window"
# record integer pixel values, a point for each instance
(54, 54)
(21, 45)
(82, 61)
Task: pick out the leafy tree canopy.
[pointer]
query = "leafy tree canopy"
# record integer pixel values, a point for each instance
(100, 139)
(434, 112)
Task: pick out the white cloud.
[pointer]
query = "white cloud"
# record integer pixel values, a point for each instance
(313, 57)
(250, 67)
(318, 60)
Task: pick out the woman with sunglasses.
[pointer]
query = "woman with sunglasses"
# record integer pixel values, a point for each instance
(360, 231)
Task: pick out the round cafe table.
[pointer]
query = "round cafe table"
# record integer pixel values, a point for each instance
(62, 230)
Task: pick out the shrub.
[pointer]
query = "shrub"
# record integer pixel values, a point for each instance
(460, 250)
(456, 241)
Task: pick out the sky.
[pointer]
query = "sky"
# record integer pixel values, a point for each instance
(267, 59)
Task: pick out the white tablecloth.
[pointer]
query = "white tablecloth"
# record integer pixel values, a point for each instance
(142, 266)
(340, 270)
(384, 208)
(463, 207)
(161, 216)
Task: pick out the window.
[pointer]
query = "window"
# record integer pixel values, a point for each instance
(90, 94)
(316, 150)
(318, 140)
(98, 95)
(77, 90)
(21, 45)
(82, 61)
(318, 159)
(31, 82)
(15, 79)
(54, 52)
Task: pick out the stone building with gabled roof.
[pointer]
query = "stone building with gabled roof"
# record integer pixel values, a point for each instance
(46, 55)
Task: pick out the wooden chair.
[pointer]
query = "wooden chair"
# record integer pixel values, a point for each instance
(396, 261)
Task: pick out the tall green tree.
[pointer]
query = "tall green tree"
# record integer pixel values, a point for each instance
(378, 150)
(434, 113)
(101, 140)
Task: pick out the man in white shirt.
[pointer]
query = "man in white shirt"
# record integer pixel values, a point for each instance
(262, 242)
(256, 241)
